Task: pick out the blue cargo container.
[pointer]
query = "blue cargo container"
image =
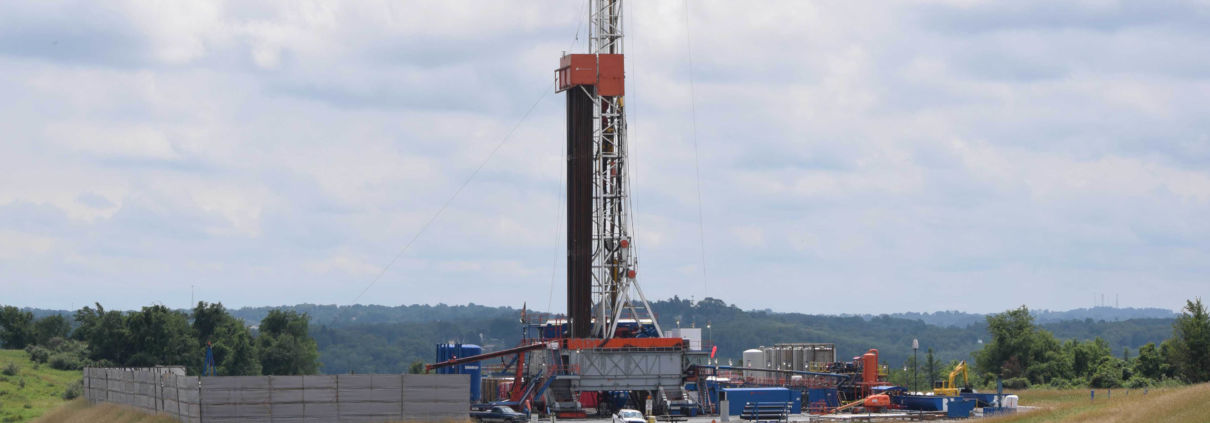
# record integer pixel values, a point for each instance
(960, 408)
(820, 400)
(446, 352)
(738, 397)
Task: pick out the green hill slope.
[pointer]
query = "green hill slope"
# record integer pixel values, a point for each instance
(31, 391)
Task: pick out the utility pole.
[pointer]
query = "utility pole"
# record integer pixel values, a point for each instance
(915, 364)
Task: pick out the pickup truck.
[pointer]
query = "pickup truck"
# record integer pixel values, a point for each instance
(499, 414)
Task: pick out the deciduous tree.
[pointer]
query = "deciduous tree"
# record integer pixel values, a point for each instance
(16, 327)
(1191, 342)
(284, 345)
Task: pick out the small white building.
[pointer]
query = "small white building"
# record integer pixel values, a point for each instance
(694, 335)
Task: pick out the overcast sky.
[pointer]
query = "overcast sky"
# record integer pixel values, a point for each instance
(855, 157)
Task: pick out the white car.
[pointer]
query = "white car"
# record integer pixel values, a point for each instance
(627, 415)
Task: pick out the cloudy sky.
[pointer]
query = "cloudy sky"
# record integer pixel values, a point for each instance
(855, 156)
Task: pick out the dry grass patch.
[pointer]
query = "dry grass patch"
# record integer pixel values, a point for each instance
(1174, 405)
(79, 411)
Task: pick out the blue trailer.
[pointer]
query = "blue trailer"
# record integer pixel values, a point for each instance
(929, 402)
(739, 397)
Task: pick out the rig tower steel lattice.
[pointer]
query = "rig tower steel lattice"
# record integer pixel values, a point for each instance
(602, 289)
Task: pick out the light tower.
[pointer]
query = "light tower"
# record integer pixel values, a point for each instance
(601, 279)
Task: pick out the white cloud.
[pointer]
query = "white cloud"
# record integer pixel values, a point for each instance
(283, 152)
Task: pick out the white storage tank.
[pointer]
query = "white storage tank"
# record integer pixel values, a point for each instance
(753, 359)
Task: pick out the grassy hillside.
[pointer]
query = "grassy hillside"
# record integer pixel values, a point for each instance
(31, 391)
(1175, 405)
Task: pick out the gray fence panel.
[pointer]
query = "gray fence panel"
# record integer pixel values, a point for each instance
(390, 409)
(235, 382)
(319, 381)
(354, 381)
(369, 395)
(282, 399)
(319, 395)
(435, 397)
(286, 382)
(234, 396)
(285, 395)
(288, 410)
(327, 411)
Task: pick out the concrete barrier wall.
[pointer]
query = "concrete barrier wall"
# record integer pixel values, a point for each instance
(285, 399)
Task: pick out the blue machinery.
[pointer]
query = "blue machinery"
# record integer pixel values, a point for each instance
(708, 393)
(208, 367)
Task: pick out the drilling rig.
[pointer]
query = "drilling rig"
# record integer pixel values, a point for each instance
(609, 351)
(602, 288)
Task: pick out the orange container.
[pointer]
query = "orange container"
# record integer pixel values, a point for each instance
(878, 401)
(605, 71)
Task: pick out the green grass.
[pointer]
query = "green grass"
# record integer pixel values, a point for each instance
(43, 388)
(1177, 405)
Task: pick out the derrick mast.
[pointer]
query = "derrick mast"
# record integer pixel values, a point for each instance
(602, 289)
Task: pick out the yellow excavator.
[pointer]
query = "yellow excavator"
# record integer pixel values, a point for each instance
(947, 388)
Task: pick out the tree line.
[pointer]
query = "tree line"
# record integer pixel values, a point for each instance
(157, 335)
(1023, 355)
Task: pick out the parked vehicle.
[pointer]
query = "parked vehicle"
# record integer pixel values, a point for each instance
(627, 415)
(499, 414)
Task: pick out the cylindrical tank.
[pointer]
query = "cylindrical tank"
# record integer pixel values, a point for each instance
(798, 359)
(869, 366)
(754, 359)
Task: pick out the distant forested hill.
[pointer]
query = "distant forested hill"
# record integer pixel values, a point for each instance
(370, 338)
(333, 315)
(1110, 314)
(390, 347)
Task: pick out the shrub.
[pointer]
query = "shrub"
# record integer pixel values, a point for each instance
(1060, 383)
(10, 370)
(1139, 382)
(1108, 375)
(1169, 383)
(1016, 383)
(55, 343)
(37, 354)
(66, 361)
(74, 390)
